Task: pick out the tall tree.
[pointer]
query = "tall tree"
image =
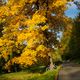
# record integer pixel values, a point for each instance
(29, 33)
(71, 41)
(74, 45)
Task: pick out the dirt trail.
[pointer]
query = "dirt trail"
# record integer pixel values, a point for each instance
(70, 71)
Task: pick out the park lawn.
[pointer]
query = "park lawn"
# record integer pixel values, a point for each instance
(23, 75)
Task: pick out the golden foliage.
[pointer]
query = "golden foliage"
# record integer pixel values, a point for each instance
(25, 23)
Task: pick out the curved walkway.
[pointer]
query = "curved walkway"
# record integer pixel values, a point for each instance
(70, 71)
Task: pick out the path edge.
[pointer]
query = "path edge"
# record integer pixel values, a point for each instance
(57, 74)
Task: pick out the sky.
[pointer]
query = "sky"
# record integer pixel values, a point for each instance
(72, 10)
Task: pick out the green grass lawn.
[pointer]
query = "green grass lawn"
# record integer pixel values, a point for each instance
(23, 75)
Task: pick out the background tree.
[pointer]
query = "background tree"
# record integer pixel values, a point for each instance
(73, 51)
(65, 41)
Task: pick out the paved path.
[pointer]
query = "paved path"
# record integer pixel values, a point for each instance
(70, 71)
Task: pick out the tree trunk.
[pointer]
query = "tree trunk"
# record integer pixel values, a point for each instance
(51, 66)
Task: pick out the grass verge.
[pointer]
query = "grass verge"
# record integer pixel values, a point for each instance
(23, 75)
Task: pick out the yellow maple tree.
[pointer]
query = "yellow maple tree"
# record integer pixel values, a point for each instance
(26, 38)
